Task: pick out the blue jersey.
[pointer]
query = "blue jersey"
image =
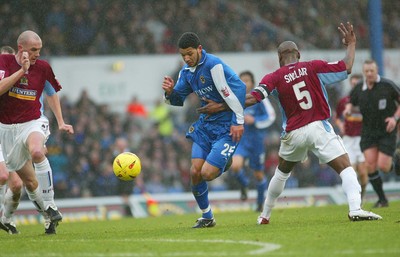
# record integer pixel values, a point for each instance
(214, 80)
(252, 143)
(264, 115)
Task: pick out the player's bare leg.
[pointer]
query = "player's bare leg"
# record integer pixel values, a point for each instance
(44, 175)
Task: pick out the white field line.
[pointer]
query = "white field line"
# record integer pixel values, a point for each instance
(261, 248)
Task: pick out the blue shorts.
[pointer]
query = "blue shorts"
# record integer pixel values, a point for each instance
(212, 143)
(254, 151)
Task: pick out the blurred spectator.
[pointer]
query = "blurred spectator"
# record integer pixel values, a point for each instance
(161, 116)
(136, 108)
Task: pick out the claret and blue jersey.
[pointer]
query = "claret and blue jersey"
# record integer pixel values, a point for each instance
(304, 83)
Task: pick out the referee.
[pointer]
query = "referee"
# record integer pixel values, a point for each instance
(378, 99)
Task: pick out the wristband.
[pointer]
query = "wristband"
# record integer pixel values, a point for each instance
(396, 118)
(260, 92)
(257, 95)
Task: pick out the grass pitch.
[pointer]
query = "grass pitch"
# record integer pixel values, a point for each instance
(313, 231)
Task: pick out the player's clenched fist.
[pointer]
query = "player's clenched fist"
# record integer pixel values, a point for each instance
(25, 61)
(168, 85)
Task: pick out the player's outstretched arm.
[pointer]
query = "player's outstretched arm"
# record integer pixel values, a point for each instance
(213, 107)
(55, 106)
(349, 40)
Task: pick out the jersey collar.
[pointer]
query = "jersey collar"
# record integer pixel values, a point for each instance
(203, 58)
(365, 87)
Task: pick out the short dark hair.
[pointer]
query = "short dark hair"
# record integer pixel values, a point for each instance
(370, 61)
(188, 39)
(7, 49)
(248, 73)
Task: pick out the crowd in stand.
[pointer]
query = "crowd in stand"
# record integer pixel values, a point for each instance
(92, 27)
(82, 163)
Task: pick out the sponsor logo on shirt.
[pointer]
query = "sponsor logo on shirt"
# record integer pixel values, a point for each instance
(204, 91)
(23, 94)
(2, 73)
(225, 91)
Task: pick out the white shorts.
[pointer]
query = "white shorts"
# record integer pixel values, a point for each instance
(352, 145)
(45, 126)
(317, 137)
(13, 142)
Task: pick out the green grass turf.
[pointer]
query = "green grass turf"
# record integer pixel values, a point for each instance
(313, 231)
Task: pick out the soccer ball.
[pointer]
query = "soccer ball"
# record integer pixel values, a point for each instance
(126, 166)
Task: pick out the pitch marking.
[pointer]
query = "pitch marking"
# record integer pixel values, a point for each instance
(263, 248)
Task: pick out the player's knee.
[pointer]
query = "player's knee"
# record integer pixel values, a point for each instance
(16, 186)
(209, 175)
(235, 167)
(236, 163)
(37, 154)
(3, 177)
(195, 172)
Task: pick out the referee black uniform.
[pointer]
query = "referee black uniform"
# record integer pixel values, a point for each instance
(377, 104)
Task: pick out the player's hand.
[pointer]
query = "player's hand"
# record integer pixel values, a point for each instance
(67, 128)
(168, 85)
(349, 37)
(211, 107)
(236, 132)
(347, 110)
(249, 119)
(25, 63)
(390, 124)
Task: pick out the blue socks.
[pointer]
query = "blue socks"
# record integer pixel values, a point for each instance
(200, 193)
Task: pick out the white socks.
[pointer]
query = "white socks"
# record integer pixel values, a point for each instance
(9, 207)
(45, 178)
(2, 193)
(37, 199)
(2, 198)
(351, 188)
(275, 189)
